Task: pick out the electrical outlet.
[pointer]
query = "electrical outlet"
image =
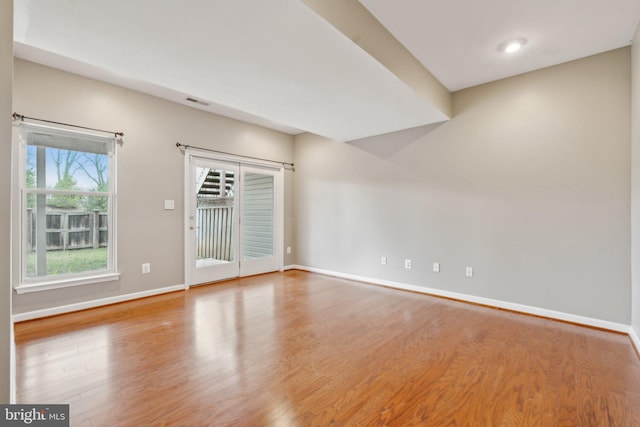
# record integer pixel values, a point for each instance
(169, 205)
(383, 260)
(288, 250)
(407, 264)
(469, 272)
(146, 268)
(436, 267)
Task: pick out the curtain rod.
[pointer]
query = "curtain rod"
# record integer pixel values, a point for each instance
(284, 164)
(22, 118)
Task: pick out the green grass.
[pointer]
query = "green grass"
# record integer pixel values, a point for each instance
(72, 261)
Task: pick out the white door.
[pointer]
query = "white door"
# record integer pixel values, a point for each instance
(212, 221)
(232, 220)
(258, 220)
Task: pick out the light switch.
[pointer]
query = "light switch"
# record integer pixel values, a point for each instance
(169, 205)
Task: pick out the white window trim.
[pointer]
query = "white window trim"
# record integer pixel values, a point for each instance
(21, 283)
(67, 282)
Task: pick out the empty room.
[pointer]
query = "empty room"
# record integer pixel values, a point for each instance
(320, 213)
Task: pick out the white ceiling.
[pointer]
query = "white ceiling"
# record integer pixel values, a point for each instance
(457, 40)
(278, 64)
(276, 61)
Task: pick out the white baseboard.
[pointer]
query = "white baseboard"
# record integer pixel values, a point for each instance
(36, 314)
(536, 311)
(634, 339)
(581, 320)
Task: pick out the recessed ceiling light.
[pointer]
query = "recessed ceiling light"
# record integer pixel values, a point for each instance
(513, 45)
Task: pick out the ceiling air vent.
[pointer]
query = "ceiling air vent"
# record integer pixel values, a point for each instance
(197, 101)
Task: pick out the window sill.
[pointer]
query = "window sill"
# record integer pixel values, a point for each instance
(27, 287)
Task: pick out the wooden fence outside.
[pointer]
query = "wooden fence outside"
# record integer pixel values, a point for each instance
(70, 230)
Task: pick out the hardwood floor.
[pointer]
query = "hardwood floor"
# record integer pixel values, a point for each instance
(299, 349)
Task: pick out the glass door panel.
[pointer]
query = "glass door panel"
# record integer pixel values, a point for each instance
(258, 215)
(258, 222)
(213, 219)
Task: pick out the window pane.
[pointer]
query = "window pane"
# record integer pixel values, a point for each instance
(59, 169)
(66, 224)
(69, 262)
(66, 240)
(66, 140)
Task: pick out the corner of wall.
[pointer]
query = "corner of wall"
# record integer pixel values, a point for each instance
(13, 369)
(7, 364)
(356, 22)
(635, 187)
(635, 340)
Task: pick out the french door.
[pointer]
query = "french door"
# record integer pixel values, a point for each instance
(233, 219)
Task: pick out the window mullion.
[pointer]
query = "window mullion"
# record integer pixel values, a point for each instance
(54, 191)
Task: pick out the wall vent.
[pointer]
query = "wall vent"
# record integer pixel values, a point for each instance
(197, 101)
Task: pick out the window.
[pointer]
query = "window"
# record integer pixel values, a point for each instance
(67, 205)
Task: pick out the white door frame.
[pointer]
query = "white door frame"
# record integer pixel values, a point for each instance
(189, 247)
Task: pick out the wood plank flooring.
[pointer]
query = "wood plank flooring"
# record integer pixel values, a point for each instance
(300, 349)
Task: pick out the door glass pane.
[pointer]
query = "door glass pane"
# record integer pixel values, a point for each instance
(257, 221)
(215, 194)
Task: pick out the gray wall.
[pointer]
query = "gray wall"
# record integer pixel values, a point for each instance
(150, 170)
(529, 184)
(635, 182)
(6, 76)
